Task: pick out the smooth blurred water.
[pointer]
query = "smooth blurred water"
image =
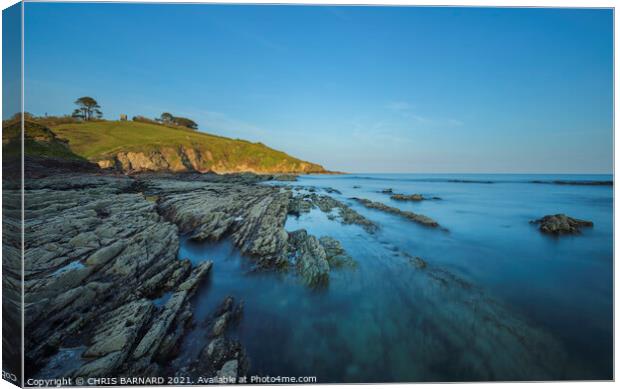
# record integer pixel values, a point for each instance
(517, 304)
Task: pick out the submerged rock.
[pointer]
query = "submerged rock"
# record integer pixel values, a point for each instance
(332, 190)
(222, 356)
(304, 203)
(335, 254)
(404, 197)
(561, 224)
(421, 219)
(417, 262)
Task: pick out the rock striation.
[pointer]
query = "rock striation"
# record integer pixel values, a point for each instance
(102, 274)
(415, 217)
(96, 256)
(253, 217)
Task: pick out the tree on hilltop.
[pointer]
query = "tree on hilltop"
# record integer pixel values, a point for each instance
(185, 122)
(88, 108)
(170, 119)
(166, 118)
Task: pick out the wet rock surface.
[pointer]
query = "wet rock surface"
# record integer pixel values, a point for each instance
(404, 197)
(335, 254)
(309, 258)
(96, 255)
(222, 357)
(304, 203)
(421, 219)
(252, 215)
(561, 224)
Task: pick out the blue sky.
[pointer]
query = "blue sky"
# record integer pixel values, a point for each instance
(364, 89)
(11, 60)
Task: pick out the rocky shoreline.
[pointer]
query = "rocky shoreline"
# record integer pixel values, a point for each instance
(108, 295)
(103, 275)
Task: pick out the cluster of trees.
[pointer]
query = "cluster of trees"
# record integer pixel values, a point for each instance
(88, 109)
(168, 118)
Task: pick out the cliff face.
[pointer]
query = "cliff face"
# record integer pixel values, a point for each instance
(133, 147)
(182, 159)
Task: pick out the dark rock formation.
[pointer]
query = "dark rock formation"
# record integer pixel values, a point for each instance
(309, 258)
(222, 357)
(102, 248)
(421, 219)
(561, 224)
(304, 203)
(253, 216)
(96, 254)
(335, 254)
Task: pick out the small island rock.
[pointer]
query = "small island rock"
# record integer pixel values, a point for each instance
(561, 224)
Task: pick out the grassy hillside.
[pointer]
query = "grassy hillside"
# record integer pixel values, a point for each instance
(136, 146)
(39, 141)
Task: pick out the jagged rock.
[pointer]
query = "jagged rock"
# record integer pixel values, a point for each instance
(253, 216)
(224, 315)
(101, 367)
(96, 251)
(105, 254)
(421, 219)
(196, 276)
(222, 356)
(229, 369)
(298, 205)
(119, 329)
(304, 203)
(309, 258)
(561, 224)
(335, 254)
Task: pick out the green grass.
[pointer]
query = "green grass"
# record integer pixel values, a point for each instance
(38, 141)
(100, 140)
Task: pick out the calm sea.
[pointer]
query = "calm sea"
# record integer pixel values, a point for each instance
(497, 301)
